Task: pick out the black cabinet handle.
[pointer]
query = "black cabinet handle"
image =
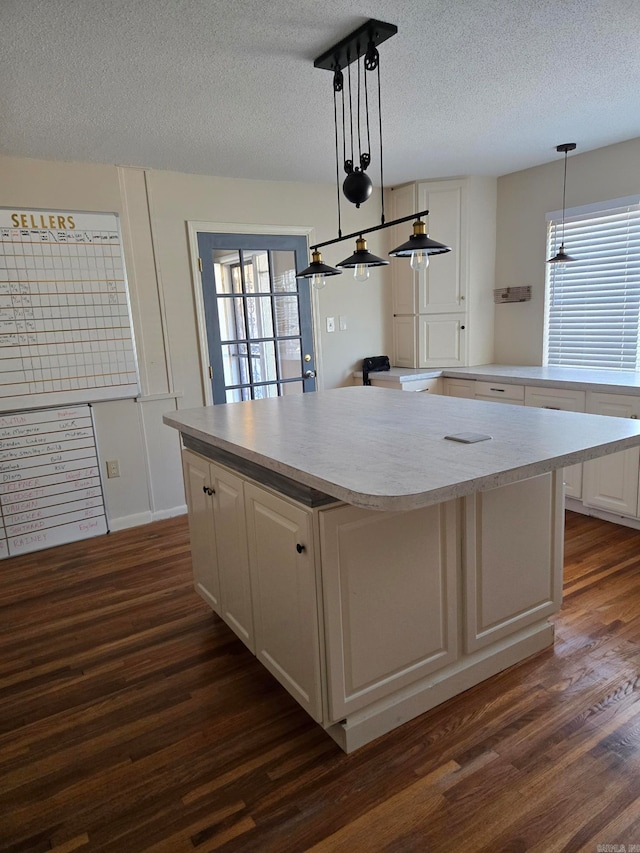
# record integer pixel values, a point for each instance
(208, 491)
(300, 548)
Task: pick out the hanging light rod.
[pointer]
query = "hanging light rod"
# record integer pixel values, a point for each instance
(355, 45)
(352, 139)
(370, 230)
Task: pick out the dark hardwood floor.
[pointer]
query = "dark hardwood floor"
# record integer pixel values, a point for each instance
(132, 720)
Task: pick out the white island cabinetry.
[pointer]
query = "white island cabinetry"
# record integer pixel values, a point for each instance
(375, 580)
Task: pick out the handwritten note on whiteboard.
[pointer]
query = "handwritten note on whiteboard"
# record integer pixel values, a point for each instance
(65, 324)
(50, 487)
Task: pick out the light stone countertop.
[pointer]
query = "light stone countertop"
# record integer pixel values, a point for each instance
(401, 374)
(375, 448)
(580, 378)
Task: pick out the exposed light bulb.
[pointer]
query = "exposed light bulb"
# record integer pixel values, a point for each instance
(361, 272)
(419, 260)
(318, 281)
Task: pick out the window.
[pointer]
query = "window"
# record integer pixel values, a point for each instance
(593, 304)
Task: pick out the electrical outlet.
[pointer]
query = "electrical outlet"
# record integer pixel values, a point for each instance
(331, 324)
(342, 324)
(113, 468)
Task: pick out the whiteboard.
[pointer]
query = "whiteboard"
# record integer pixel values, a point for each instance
(65, 320)
(50, 485)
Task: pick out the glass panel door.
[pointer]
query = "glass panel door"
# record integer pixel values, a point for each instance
(258, 316)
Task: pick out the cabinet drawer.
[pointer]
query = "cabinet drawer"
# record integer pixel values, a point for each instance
(460, 387)
(498, 391)
(614, 405)
(564, 399)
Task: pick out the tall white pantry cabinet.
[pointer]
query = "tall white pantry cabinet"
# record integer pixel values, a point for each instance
(443, 317)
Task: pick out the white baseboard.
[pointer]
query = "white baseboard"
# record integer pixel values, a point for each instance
(140, 518)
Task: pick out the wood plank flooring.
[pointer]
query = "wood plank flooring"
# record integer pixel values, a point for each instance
(132, 720)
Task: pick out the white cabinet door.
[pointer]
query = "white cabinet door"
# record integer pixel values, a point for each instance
(512, 562)
(215, 502)
(611, 482)
(390, 600)
(440, 287)
(441, 340)
(404, 342)
(283, 582)
(197, 480)
(565, 400)
(233, 559)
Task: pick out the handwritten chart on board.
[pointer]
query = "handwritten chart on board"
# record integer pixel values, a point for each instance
(50, 487)
(65, 324)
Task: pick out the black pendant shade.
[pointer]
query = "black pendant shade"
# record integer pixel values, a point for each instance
(419, 242)
(362, 257)
(316, 267)
(561, 257)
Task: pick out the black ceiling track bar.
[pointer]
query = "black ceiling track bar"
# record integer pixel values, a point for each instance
(355, 45)
(370, 230)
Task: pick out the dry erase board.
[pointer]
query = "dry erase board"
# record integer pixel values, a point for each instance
(50, 486)
(65, 321)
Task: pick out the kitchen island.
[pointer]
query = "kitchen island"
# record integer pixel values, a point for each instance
(375, 567)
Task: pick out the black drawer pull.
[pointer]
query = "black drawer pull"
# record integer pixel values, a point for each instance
(300, 548)
(501, 390)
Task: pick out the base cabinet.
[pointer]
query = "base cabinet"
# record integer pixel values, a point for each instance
(563, 400)
(389, 586)
(611, 482)
(498, 537)
(370, 618)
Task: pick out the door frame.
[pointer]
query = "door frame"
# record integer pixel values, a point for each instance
(193, 228)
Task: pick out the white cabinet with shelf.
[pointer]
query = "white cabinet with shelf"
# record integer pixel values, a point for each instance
(452, 301)
(611, 482)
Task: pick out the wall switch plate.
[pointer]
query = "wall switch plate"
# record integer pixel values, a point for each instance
(331, 324)
(113, 468)
(342, 323)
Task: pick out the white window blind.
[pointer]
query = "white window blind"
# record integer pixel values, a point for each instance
(593, 303)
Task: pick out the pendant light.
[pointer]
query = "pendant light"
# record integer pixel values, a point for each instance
(362, 260)
(358, 108)
(561, 256)
(317, 271)
(418, 247)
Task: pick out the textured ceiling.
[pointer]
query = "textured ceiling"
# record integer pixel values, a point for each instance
(228, 88)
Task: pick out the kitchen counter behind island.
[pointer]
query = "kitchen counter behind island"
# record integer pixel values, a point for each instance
(373, 566)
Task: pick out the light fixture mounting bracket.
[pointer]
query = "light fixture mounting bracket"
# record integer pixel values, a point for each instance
(566, 146)
(355, 45)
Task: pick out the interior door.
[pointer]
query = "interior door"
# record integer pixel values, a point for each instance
(258, 315)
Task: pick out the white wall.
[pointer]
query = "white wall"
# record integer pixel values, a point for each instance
(154, 208)
(524, 198)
